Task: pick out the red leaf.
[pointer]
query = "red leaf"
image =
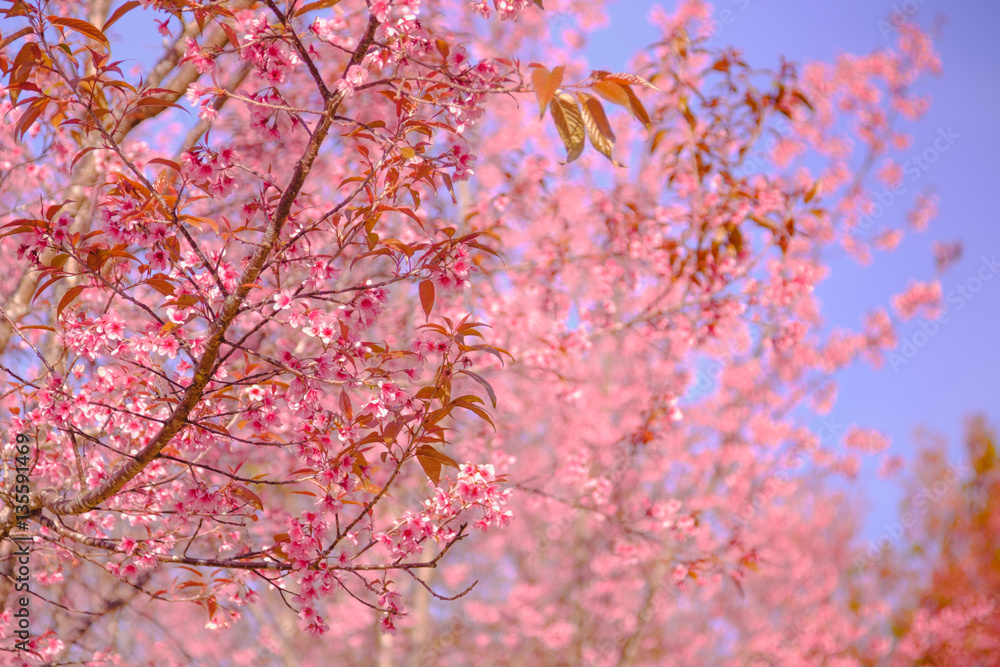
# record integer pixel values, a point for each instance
(427, 297)
(69, 297)
(120, 12)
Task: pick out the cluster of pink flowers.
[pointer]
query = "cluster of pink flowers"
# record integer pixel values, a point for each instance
(879, 331)
(389, 399)
(41, 238)
(263, 415)
(425, 347)
(400, 30)
(126, 222)
(134, 563)
(463, 161)
(323, 271)
(268, 123)
(888, 239)
(212, 170)
(274, 60)
(789, 281)
(790, 336)
(454, 270)
(328, 29)
(88, 338)
(919, 298)
(398, 21)
(314, 585)
(201, 500)
(467, 107)
(957, 626)
(194, 54)
(319, 324)
(866, 440)
(507, 10)
(475, 487)
(382, 9)
(366, 308)
(55, 407)
(203, 98)
(355, 77)
(925, 209)
(45, 648)
(389, 600)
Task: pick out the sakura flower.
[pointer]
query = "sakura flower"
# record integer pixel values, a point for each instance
(282, 300)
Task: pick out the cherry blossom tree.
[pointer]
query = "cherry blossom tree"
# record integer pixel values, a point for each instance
(326, 345)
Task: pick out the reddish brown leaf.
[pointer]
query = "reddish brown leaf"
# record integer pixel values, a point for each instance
(602, 137)
(80, 26)
(427, 297)
(69, 297)
(569, 123)
(546, 83)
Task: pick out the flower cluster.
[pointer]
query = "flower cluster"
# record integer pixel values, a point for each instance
(41, 237)
(273, 59)
(463, 160)
(453, 271)
(328, 29)
(365, 309)
(194, 54)
(919, 298)
(205, 99)
(507, 10)
(268, 122)
(866, 440)
(355, 77)
(212, 170)
(389, 399)
(476, 487)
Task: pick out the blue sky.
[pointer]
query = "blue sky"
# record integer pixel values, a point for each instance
(954, 371)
